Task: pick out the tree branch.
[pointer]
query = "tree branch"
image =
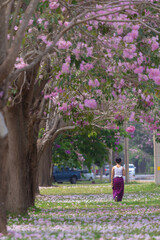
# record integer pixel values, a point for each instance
(4, 3)
(13, 52)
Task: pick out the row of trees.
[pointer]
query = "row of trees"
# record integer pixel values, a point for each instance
(65, 65)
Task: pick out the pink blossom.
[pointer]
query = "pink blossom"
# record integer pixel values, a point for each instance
(89, 52)
(154, 46)
(46, 96)
(128, 38)
(86, 66)
(82, 68)
(65, 68)
(130, 52)
(139, 70)
(60, 22)
(68, 59)
(48, 43)
(96, 82)
(135, 27)
(20, 63)
(30, 22)
(122, 82)
(76, 52)
(130, 129)
(134, 34)
(142, 77)
(90, 28)
(91, 83)
(99, 92)
(81, 106)
(66, 24)
(42, 37)
(15, 28)
(132, 116)
(90, 103)
(120, 31)
(62, 44)
(46, 24)
(114, 94)
(53, 5)
(39, 20)
(119, 117)
(154, 73)
(63, 107)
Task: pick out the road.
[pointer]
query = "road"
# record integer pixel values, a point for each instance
(144, 177)
(147, 177)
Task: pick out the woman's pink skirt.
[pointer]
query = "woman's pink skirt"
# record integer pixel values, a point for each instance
(118, 188)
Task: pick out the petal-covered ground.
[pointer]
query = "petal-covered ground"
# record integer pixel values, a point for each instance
(89, 216)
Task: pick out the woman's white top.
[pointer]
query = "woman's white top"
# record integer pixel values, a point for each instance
(118, 171)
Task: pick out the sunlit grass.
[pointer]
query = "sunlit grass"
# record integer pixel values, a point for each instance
(105, 188)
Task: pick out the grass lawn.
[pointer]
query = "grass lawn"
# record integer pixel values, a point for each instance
(87, 211)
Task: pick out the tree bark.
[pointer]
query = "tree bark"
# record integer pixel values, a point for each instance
(44, 167)
(101, 173)
(22, 160)
(2, 35)
(3, 174)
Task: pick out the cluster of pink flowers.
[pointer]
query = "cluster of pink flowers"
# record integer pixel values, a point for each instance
(44, 39)
(154, 74)
(65, 68)
(93, 83)
(66, 65)
(53, 4)
(62, 44)
(86, 66)
(119, 117)
(139, 69)
(131, 36)
(64, 107)
(90, 103)
(132, 116)
(154, 43)
(130, 52)
(130, 129)
(20, 63)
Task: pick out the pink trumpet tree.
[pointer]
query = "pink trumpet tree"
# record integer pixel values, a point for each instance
(99, 56)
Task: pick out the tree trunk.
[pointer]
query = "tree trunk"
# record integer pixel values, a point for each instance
(22, 160)
(126, 157)
(3, 174)
(44, 167)
(101, 173)
(3, 34)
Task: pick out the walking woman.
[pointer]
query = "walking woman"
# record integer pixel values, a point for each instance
(117, 180)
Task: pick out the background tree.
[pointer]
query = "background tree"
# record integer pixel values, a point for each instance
(141, 149)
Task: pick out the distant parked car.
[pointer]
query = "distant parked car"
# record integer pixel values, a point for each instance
(86, 175)
(65, 174)
(132, 169)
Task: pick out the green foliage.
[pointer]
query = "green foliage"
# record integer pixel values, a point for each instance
(74, 2)
(92, 145)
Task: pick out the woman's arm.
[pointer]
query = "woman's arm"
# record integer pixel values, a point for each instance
(123, 172)
(112, 175)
